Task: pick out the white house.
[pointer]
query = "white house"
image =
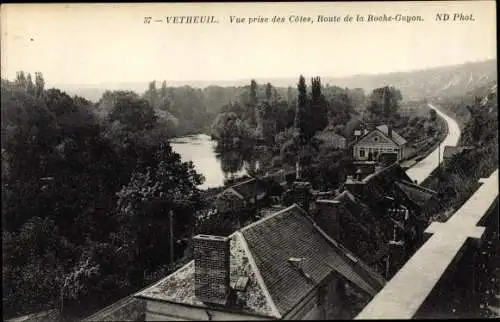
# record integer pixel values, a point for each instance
(381, 140)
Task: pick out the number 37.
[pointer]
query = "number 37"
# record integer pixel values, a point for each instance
(147, 19)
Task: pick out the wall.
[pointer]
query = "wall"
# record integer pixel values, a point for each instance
(128, 309)
(380, 146)
(165, 311)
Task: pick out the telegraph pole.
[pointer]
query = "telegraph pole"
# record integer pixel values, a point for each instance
(171, 223)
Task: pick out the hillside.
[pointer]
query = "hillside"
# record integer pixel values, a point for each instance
(433, 82)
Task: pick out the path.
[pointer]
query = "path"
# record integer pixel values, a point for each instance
(424, 168)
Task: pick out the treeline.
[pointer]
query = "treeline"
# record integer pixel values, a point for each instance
(87, 199)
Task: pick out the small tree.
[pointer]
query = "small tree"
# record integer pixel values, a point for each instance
(432, 115)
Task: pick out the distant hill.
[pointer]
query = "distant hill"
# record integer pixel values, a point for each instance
(433, 82)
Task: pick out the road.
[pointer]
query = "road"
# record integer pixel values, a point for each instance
(424, 168)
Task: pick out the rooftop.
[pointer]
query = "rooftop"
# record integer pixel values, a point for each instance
(397, 300)
(291, 233)
(179, 286)
(398, 139)
(249, 188)
(261, 252)
(416, 193)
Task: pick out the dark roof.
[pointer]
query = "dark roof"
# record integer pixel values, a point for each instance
(398, 139)
(449, 151)
(178, 287)
(416, 193)
(261, 253)
(291, 233)
(249, 188)
(380, 183)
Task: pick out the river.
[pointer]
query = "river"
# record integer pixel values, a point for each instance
(200, 149)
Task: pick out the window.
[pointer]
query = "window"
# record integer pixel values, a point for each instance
(362, 153)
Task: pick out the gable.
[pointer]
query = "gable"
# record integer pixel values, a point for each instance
(274, 240)
(376, 137)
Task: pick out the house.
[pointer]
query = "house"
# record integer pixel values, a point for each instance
(283, 266)
(393, 182)
(385, 211)
(331, 139)
(241, 195)
(381, 140)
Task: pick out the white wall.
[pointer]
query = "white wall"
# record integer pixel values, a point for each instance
(164, 311)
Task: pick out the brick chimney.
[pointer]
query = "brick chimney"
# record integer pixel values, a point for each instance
(328, 217)
(211, 263)
(353, 185)
(301, 191)
(389, 131)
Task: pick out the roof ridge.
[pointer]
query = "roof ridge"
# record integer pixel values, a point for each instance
(258, 276)
(390, 137)
(161, 280)
(242, 182)
(294, 205)
(408, 183)
(347, 255)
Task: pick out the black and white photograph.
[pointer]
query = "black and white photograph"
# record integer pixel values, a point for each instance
(249, 161)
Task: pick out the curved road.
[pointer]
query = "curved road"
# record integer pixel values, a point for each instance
(423, 169)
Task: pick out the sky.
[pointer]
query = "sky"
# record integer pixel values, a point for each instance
(105, 43)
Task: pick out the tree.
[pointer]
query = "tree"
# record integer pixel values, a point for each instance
(340, 109)
(163, 90)
(384, 102)
(229, 130)
(289, 97)
(39, 84)
(30, 87)
(319, 117)
(144, 204)
(132, 112)
(301, 114)
(432, 115)
(250, 115)
(269, 92)
(151, 95)
(253, 93)
(21, 80)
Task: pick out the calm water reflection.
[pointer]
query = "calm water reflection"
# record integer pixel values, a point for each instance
(216, 167)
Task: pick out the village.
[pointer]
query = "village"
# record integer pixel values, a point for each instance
(272, 161)
(312, 254)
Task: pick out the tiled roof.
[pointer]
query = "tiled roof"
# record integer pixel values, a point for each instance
(290, 233)
(249, 188)
(179, 286)
(261, 251)
(416, 193)
(398, 139)
(380, 183)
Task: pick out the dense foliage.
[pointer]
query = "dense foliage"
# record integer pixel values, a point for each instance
(87, 194)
